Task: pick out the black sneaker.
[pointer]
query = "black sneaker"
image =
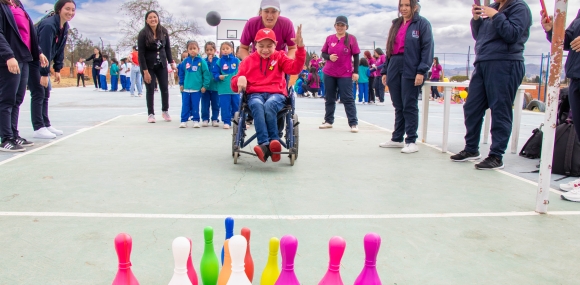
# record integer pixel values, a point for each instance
(23, 142)
(263, 152)
(11, 146)
(491, 162)
(465, 156)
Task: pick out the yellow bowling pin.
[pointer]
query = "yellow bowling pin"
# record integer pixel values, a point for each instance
(272, 271)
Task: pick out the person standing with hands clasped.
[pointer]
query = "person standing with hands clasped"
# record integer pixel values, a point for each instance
(408, 59)
(499, 69)
(340, 50)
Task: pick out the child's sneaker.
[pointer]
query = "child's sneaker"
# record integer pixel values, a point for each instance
(196, 124)
(166, 116)
(215, 123)
(205, 124)
(275, 146)
(263, 152)
(151, 118)
(183, 125)
(226, 126)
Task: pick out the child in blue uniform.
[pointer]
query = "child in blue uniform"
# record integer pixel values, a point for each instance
(224, 70)
(210, 97)
(193, 82)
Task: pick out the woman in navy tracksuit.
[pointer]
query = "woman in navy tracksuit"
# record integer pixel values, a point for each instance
(18, 47)
(499, 70)
(409, 58)
(52, 34)
(572, 66)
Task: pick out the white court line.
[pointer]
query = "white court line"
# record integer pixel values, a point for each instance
(283, 217)
(79, 131)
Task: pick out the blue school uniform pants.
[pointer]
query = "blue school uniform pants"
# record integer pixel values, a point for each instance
(190, 106)
(229, 105)
(363, 92)
(404, 95)
(103, 82)
(114, 82)
(210, 98)
(123, 81)
(493, 85)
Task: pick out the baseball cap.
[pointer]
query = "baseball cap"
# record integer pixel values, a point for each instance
(270, 4)
(265, 34)
(342, 20)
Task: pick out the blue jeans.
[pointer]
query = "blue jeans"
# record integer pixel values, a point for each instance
(136, 80)
(265, 108)
(229, 105)
(114, 82)
(123, 81)
(354, 91)
(363, 92)
(207, 98)
(103, 81)
(190, 106)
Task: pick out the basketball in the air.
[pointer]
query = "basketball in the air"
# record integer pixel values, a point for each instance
(213, 18)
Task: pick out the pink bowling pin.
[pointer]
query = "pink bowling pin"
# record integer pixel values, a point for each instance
(369, 275)
(123, 245)
(288, 247)
(336, 247)
(190, 269)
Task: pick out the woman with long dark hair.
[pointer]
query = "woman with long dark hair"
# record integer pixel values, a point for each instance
(312, 83)
(436, 73)
(409, 56)
(372, 76)
(97, 59)
(52, 34)
(154, 50)
(18, 48)
(500, 40)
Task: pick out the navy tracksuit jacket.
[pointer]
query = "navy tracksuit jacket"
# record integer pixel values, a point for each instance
(499, 70)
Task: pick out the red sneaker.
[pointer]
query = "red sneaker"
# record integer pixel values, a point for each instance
(262, 152)
(275, 146)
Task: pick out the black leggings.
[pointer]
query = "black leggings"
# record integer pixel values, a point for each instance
(158, 73)
(372, 88)
(96, 78)
(79, 77)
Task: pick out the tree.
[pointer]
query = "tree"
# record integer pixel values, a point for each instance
(180, 29)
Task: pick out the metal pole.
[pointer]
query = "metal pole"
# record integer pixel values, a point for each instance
(542, 199)
(541, 74)
(102, 45)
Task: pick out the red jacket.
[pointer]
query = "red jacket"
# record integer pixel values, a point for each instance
(268, 75)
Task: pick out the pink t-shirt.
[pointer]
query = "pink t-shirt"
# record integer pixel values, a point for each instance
(23, 24)
(342, 67)
(313, 83)
(284, 30)
(381, 60)
(436, 71)
(399, 44)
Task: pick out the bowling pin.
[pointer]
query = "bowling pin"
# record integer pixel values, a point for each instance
(272, 271)
(190, 269)
(237, 246)
(123, 245)
(288, 247)
(226, 271)
(229, 232)
(369, 275)
(210, 265)
(336, 247)
(181, 248)
(248, 261)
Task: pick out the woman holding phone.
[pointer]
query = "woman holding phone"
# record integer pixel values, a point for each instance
(500, 39)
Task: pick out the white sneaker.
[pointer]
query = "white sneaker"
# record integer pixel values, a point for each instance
(392, 144)
(325, 125)
(44, 133)
(205, 124)
(55, 131)
(226, 127)
(183, 125)
(215, 124)
(380, 104)
(410, 148)
(570, 185)
(573, 195)
(354, 129)
(196, 124)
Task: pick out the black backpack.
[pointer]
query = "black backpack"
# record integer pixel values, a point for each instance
(563, 106)
(566, 159)
(533, 147)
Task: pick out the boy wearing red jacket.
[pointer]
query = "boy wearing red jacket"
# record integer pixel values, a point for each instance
(262, 76)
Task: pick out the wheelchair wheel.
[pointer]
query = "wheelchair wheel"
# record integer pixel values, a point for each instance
(236, 156)
(292, 159)
(234, 130)
(296, 134)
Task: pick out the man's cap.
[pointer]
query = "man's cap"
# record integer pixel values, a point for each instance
(270, 4)
(264, 34)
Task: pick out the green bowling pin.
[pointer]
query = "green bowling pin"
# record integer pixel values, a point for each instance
(209, 266)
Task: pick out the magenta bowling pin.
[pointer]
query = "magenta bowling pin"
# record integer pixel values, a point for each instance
(190, 269)
(369, 274)
(336, 247)
(123, 246)
(288, 248)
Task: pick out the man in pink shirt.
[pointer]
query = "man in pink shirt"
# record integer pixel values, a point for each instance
(269, 18)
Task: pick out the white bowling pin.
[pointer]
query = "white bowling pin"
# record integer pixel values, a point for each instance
(237, 246)
(181, 249)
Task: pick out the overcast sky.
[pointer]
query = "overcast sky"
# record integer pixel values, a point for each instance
(369, 20)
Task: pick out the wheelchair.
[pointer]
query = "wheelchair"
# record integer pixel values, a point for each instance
(287, 128)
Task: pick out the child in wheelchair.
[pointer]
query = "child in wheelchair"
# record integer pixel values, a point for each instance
(262, 77)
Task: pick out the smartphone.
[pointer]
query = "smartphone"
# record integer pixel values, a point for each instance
(478, 3)
(544, 9)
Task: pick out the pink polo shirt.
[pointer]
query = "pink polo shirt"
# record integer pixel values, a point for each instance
(342, 67)
(284, 30)
(23, 24)
(399, 44)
